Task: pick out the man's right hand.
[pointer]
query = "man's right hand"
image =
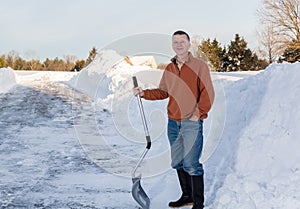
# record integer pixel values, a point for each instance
(138, 91)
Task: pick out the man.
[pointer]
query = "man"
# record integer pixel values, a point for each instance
(187, 83)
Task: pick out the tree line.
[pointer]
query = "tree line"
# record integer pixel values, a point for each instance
(234, 57)
(69, 63)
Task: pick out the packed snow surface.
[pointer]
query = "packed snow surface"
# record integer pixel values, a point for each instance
(71, 140)
(7, 79)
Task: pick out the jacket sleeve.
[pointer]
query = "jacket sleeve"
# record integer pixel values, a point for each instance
(159, 93)
(207, 93)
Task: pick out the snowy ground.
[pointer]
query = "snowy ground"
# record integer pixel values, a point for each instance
(61, 148)
(43, 164)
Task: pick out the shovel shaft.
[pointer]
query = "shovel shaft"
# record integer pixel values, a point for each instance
(139, 162)
(146, 130)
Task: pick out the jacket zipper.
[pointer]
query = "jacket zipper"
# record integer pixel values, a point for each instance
(179, 70)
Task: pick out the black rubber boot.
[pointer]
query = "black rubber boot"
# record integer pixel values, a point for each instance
(186, 187)
(198, 192)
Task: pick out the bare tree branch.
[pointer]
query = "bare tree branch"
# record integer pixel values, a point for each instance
(284, 19)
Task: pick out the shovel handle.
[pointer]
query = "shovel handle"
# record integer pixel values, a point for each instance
(135, 83)
(148, 139)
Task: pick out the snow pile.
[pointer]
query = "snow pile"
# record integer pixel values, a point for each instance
(7, 79)
(109, 74)
(257, 163)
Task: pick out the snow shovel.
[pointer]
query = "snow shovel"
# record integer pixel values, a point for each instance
(137, 191)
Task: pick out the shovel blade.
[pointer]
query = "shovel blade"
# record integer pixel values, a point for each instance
(139, 194)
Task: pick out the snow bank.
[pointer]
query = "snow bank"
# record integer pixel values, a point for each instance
(7, 79)
(108, 78)
(257, 163)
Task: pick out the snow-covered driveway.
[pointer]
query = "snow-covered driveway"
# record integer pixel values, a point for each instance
(42, 162)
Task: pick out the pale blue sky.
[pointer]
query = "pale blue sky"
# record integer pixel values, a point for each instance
(51, 28)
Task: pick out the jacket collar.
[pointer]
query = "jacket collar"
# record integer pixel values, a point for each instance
(174, 59)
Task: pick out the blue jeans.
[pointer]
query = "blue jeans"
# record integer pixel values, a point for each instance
(186, 141)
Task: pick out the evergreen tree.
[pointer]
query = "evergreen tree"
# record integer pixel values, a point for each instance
(19, 64)
(213, 51)
(91, 56)
(291, 53)
(2, 61)
(239, 57)
(58, 65)
(79, 64)
(46, 64)
(11, 59)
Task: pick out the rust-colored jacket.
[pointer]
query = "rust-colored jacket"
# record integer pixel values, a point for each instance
(190, 89)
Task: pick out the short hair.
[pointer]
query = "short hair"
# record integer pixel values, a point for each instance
(181, 32)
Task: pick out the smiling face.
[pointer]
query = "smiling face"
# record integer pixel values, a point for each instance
(180, 44)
